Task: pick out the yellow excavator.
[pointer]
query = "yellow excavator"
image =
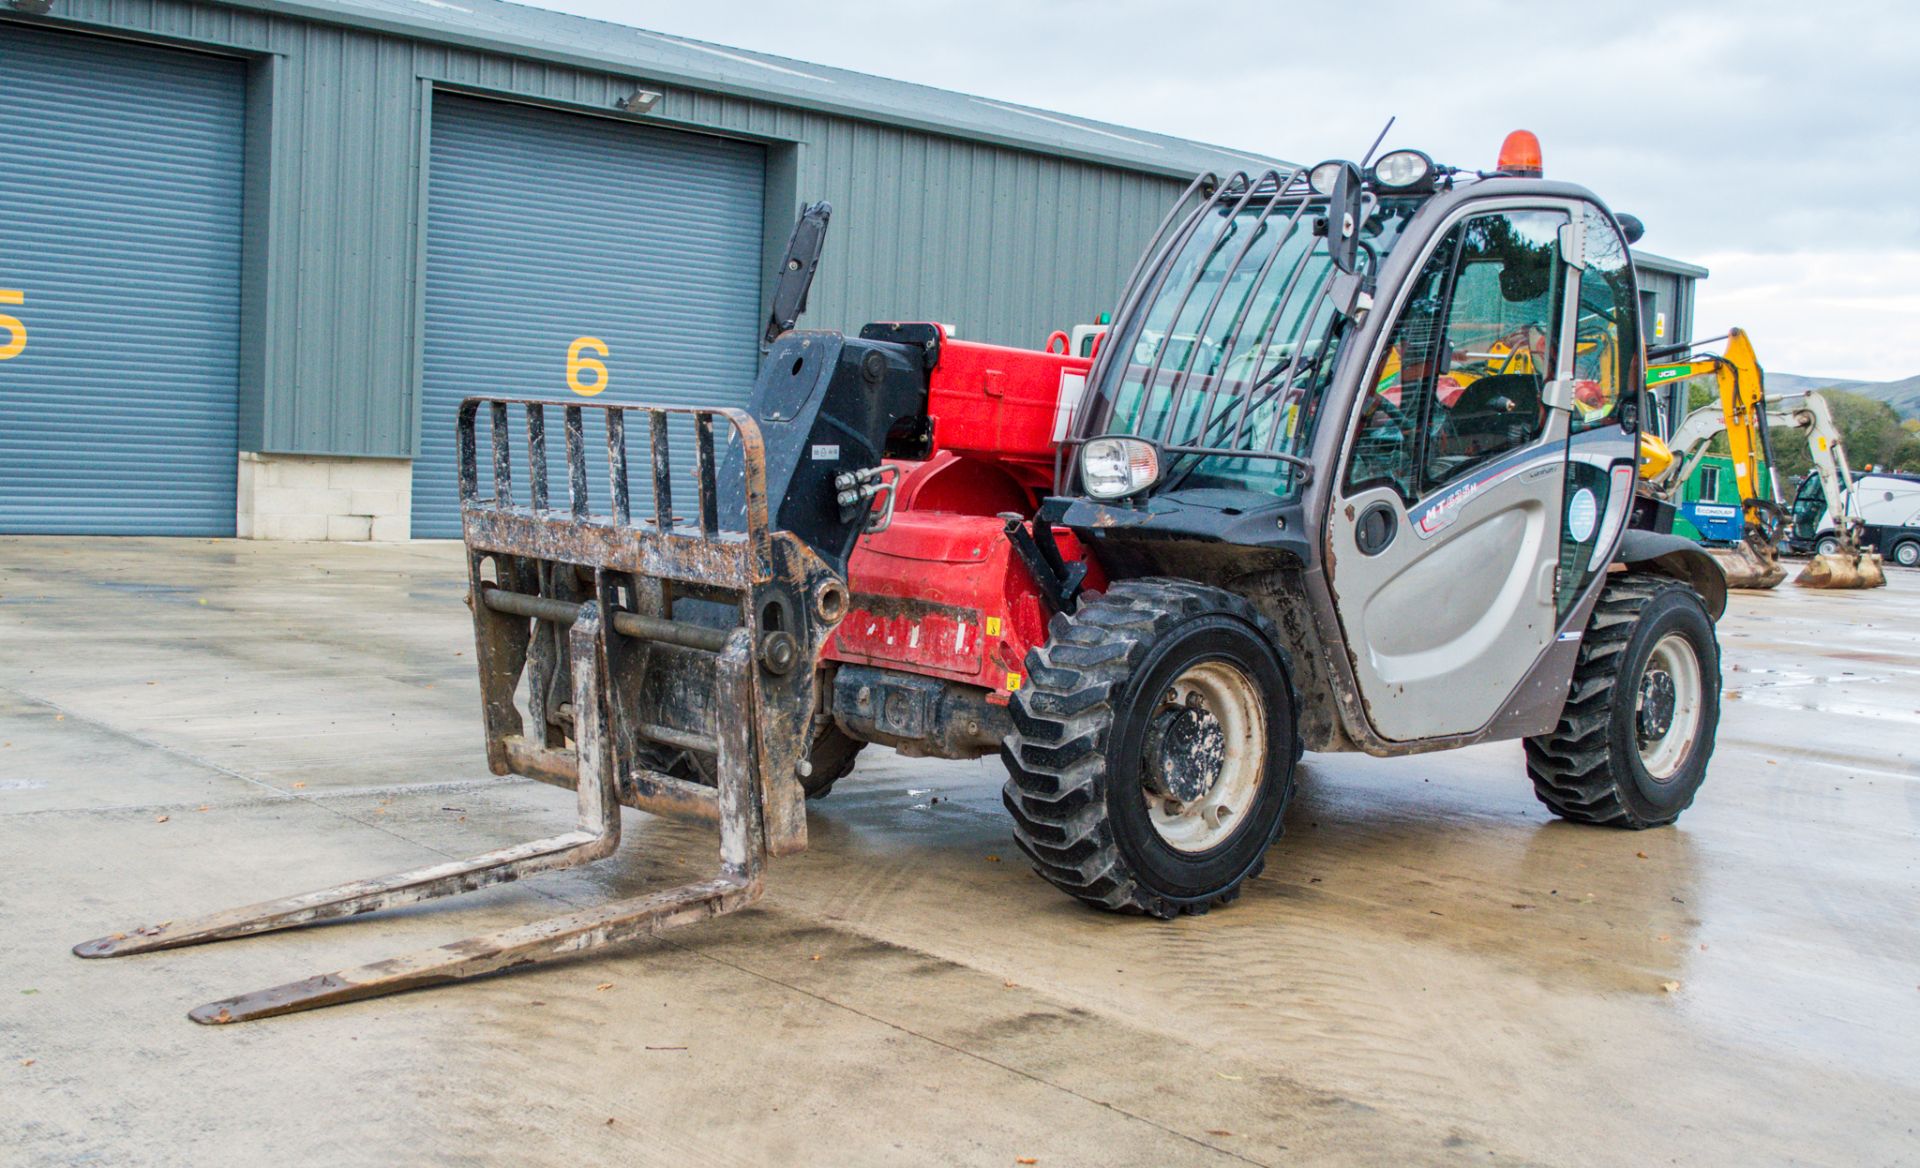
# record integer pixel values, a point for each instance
(1745, 414)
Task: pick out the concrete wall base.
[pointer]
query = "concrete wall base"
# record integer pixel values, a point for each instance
(302, 496)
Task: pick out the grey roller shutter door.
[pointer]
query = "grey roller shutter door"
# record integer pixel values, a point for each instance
(120, 193)
(544, 228)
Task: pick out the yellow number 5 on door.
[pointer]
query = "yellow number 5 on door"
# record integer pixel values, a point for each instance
(576, 365)
(11, 325)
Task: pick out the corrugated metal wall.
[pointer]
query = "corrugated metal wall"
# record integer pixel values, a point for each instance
(1002, 244)
(547, 229)
(120, 231)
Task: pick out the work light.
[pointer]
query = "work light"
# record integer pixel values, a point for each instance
(1402, 168)
(1113, 468)
(1321, 178)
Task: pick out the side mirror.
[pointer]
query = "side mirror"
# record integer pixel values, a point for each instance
(1344, 214)
(1631, 227)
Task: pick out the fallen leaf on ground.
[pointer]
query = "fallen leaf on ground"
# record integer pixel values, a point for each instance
(1672, 987)
(161, 818)
(1012, 985)
(666, 1048)
(605, 985)
(816, 957)
(297, 786)
(203, 807)
(26, 1062)
(609, 1121)
(993, 859)
(1026, 1160)
(1642, 855)
(1218, 1131)
(1230, 1078)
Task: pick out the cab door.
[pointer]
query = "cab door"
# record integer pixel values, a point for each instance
(1444, 535)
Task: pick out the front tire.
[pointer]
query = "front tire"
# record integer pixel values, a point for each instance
(1633, 742)
(1826, 545)
(1906, 553)
(1153, 751)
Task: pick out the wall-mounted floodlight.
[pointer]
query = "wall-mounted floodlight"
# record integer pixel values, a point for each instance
(640, 101)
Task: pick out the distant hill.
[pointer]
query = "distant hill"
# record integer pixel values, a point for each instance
(1902, 395)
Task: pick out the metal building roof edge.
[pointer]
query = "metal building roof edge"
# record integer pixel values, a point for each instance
(1660, 263)
(787, 82)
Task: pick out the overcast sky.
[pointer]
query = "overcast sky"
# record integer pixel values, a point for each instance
(1774, 143)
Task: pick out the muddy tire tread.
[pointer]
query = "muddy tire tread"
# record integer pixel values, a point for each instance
(1062, 719)
(1570, 766)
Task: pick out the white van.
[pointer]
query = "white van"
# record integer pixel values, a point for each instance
(1887, 504)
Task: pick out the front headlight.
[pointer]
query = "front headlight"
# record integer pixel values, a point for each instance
(1112, 468)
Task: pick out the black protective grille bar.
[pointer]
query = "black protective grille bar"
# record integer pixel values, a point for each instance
(1152, 286)
(1211, 384)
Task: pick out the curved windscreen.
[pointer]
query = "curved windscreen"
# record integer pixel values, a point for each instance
(1224, 355)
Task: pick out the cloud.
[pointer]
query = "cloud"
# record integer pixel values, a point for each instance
(1732, 127)
(1846, 314)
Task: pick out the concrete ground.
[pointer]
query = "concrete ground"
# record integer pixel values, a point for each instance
(1431, 970)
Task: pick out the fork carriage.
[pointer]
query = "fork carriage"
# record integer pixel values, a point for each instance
(592, 677)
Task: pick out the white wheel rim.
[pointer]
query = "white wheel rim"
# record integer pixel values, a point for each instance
(1663, 752)
(1233, 700)
(1907, 555)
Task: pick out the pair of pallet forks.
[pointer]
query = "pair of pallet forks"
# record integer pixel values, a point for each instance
(571, 610)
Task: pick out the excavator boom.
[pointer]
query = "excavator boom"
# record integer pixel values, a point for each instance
(1745, 414)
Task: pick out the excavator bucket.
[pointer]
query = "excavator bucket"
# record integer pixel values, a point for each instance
(1750, 564)
(663, 663)
(1843, 570)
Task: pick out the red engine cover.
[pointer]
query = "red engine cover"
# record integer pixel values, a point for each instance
(941, 592)
(1006, 406)
(944, 595)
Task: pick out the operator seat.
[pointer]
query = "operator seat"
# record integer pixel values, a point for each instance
(1494, 414)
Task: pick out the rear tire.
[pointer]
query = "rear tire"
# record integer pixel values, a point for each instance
(1633, 742)
(1153, 751)
(832, 758)
(1826, 545)
(1906, 553)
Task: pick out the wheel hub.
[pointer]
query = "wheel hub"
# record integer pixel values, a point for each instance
(1658, 699)
(1185, 751)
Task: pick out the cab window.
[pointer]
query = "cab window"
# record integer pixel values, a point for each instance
(1602, 364)
(1465, 369)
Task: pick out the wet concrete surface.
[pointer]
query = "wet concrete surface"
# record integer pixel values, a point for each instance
(1431, 969)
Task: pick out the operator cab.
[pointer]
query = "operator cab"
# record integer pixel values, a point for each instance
(1414, 385)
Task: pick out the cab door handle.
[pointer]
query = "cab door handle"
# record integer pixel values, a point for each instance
(1375, 529)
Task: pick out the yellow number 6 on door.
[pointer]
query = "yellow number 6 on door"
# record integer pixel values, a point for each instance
(576, 365)
(11, 325)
